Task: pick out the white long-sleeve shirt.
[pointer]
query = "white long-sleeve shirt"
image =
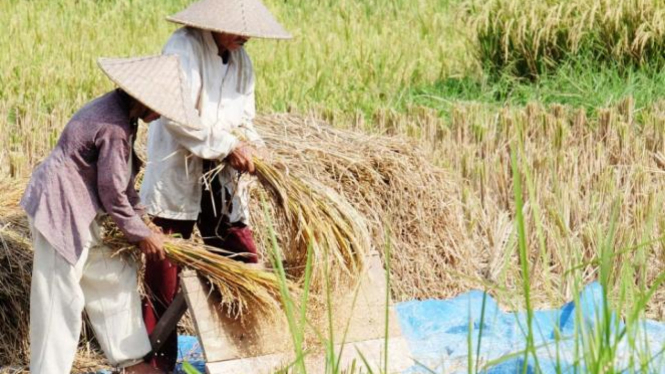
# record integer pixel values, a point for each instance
(224, 98)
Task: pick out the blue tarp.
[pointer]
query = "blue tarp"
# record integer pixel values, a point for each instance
(445, 335)
(189, 350)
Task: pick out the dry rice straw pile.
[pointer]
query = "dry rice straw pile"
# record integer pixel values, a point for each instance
(397, 192)
(15, 271)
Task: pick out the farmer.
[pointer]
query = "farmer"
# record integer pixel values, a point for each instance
(89, 175)
(221, 83)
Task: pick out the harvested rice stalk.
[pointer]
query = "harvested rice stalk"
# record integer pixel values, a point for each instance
(15, 275)
(11, 214)
(396, 189)
(312, 214)
(240, 285)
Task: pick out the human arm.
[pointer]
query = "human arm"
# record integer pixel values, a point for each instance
(113, 182)
(246, 126)
(132, 194)
(204, 142)
(248, 114)
(252, 145)
(134, 199)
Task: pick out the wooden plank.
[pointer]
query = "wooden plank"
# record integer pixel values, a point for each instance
(223, 338)
(168, 323)
(373, 352)
(366, 319)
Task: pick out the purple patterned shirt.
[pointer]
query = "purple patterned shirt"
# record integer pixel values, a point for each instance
(88, 172)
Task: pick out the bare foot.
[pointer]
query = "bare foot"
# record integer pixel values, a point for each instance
(142, 368)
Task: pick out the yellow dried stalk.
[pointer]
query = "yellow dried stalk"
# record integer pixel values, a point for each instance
(241, 286)
(314, 215)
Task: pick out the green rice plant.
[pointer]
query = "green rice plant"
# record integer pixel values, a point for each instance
(530, 350)
(529, 38)
(295, 321)
(580, 82)
(189, 369)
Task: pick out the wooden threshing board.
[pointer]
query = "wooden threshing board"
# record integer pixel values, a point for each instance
(264, 346)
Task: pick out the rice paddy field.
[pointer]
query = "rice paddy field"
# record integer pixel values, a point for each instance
(531, 133)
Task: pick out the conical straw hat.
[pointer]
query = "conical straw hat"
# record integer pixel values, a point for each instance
(240, 17)
(155, 81)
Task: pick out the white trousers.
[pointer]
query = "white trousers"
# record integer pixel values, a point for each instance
(105, 286)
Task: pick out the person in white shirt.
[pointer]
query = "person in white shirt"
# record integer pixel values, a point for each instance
(221, 81)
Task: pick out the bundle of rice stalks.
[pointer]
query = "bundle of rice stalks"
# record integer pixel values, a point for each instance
(240, 286)
(315, 217)
(400, 196)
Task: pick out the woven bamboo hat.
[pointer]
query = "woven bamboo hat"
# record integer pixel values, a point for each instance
(240, 17)
(157, 82)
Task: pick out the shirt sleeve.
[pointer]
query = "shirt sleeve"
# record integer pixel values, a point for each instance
(206, 143)
(248, 114)
(134, 198)
(113, 180)
(132, 194)
(209, 144)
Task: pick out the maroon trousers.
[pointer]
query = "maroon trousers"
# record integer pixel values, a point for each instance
(162, 277)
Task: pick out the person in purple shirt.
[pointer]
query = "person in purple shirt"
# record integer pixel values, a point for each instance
(90, 175)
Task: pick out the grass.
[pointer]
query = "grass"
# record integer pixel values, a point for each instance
(580, 84)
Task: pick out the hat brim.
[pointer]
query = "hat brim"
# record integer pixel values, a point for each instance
(163, 92)
(284, 35)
